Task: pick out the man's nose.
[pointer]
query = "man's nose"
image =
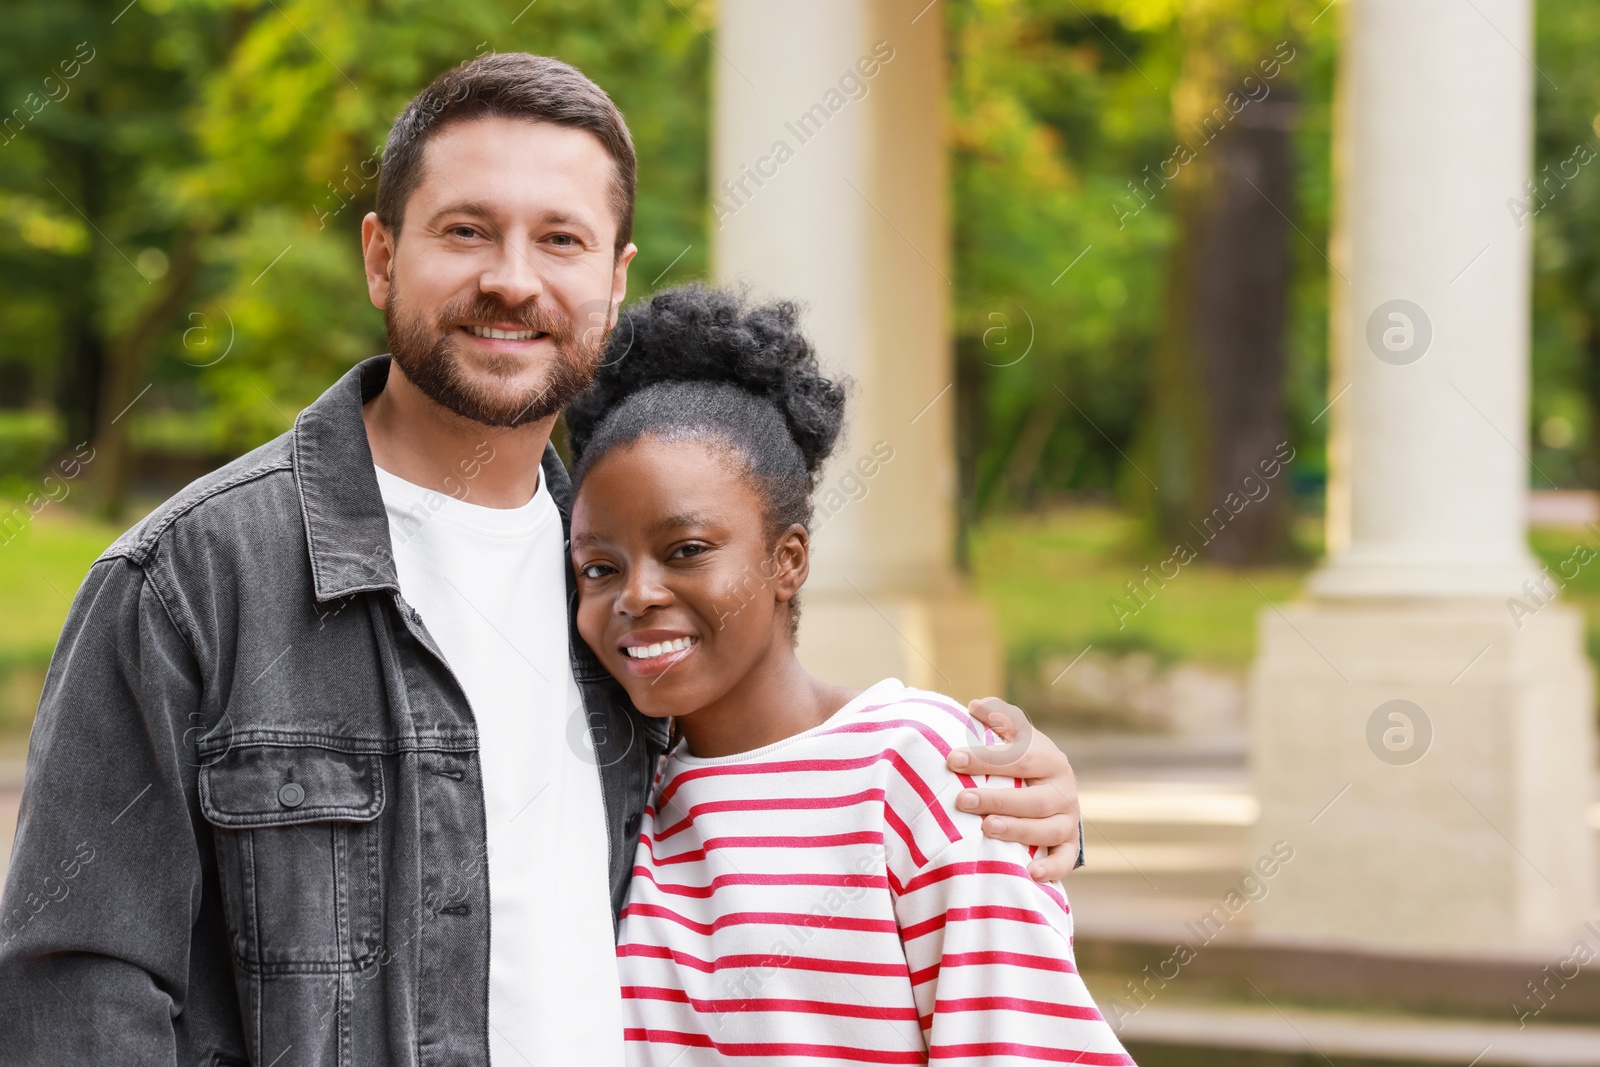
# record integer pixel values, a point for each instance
(513, 277)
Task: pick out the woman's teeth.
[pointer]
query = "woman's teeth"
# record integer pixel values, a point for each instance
(504, 335)
(660, 649)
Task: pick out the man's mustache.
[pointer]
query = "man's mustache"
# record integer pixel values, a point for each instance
(528, 315)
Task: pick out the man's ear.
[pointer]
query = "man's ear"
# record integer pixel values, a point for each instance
(791, 562)
(377, 252)
(619, 281)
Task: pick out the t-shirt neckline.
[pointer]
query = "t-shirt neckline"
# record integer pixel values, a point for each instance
(520, 520)
(875, 692)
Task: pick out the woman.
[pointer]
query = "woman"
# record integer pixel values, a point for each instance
(803, 888)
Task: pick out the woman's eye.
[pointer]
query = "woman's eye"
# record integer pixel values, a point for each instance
(596, 570)
(686, 551)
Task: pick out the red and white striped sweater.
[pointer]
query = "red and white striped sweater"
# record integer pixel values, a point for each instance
(821, 899)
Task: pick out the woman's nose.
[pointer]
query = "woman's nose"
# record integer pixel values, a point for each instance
(642, 591)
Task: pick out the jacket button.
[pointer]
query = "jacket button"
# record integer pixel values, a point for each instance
(290, 794)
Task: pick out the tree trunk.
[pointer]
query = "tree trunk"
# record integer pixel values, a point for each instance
(1027, 454)
(1220, 393)
(972, 400)
(83, 349)
(125, 379)
(1589, 458)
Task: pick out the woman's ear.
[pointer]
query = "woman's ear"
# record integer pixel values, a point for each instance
(791, 561)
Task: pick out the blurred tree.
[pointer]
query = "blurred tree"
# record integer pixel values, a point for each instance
(183, 210)
(1562, 205)
(1219, 404)
(190, 206)
(92, 128)
(1105, 153)
(1057, 299)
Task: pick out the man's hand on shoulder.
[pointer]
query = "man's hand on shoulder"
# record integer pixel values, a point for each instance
(1044, 811)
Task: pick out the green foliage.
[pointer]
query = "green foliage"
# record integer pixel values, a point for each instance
(328, 108)
(26, 441)
(256, 125)
(1062, 112)
(1051, 118)
(1564, 211)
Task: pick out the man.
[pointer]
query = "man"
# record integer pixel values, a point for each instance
(319, 724)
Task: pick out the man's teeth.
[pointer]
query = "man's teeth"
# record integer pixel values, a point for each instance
(504, 335)
(659, 649)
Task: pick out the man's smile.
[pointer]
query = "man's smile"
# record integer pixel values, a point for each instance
(503, 333)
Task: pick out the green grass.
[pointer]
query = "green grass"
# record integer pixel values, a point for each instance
(40, 569)
(1051, 578)
(1556, 547)
(1048, 579)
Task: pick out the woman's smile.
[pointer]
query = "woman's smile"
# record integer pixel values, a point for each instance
(651, 653)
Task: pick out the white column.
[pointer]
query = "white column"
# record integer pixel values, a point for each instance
(1431, 286)
(1422, 729)
(828, 185)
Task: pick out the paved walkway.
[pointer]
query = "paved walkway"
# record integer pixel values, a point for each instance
(10, 795)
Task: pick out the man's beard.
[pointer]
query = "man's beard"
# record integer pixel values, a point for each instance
(427, 357)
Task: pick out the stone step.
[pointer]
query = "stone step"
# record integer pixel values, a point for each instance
(1535, 988)
(1194, 1035)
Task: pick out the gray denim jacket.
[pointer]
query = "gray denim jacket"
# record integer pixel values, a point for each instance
(252, 829)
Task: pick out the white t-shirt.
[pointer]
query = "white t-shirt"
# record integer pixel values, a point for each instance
(490, 585)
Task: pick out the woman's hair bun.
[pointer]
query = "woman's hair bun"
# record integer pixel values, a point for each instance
(699, 333)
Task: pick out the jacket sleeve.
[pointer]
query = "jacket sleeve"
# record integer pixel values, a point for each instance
(105, 880)
(992, 967)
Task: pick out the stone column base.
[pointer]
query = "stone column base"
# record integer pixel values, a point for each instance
(1431, 765)
(945, 642)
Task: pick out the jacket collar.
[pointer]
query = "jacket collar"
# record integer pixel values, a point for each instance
(347, 528)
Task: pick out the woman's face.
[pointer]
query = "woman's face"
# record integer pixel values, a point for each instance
(681, 594)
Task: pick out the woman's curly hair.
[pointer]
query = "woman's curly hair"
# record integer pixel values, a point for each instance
(703, 363)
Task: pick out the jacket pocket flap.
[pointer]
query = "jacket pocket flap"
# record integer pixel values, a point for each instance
(280, 785)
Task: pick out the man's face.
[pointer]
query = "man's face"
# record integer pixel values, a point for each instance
(501, 287)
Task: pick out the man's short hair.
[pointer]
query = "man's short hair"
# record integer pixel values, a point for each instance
(513, 85)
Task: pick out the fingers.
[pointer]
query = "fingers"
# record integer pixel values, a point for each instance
(997, 715)
(1029, 802)
(1031, 755)
(1014, 756)
(1057, 865)
(1052, 832)
(1043, 813)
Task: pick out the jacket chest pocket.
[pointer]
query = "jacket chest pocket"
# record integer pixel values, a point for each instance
(297, 855)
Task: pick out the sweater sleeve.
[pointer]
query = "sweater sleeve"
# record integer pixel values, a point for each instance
(992, 967)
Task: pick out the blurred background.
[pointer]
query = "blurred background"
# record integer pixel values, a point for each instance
(181, 189)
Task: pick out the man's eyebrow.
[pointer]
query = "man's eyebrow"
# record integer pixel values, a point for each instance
(463, 207)
(572, 222)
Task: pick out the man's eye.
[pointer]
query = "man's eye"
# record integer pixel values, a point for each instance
(564, 240)
(686, 551)
(463, 231)
(596, 570)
